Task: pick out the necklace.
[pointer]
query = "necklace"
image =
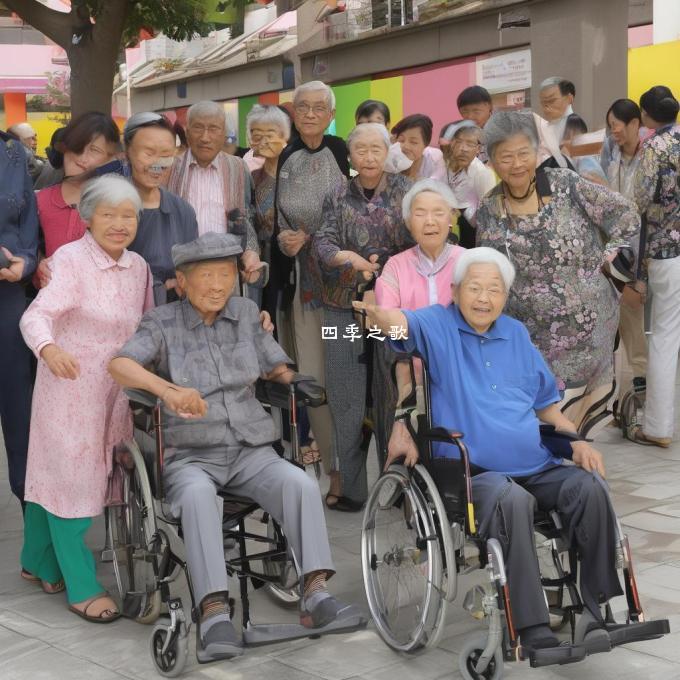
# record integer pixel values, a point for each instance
(529, 191)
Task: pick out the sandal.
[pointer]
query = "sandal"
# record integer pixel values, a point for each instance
(103, 616)
(345, 504)
(49, 588)
(639, 437)
(332, 500)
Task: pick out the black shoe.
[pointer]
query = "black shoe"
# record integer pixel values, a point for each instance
(639, 385)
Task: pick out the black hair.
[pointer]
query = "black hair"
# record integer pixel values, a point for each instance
(55, 158)
(576, 123)
(624, 110)
(83, 129)
(660, 104)
(180, 133)
(567, 87)
(417, 120)
(475, 94)
(369, 107)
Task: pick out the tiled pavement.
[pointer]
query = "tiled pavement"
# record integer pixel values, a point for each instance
(41, 640)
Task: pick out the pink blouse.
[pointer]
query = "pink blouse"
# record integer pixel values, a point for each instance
(410, 280)
(91, 306)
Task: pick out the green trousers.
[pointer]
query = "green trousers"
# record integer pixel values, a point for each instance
(54, 548)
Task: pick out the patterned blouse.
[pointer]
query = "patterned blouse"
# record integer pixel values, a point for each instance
(569, 307)
(657, 192)
(353, 222)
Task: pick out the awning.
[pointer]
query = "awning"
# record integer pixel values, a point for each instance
(30, 85)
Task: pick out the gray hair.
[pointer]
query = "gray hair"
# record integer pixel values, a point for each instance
(268, 114)
(364, 128)
(550, 82)
(315, 86)
(111, 189)
(207, 109)
(484, 255)
(505, 124)
(432, 185)
(21, 130)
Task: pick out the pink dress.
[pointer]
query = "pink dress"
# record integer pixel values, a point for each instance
(91, 306)
(410, 280)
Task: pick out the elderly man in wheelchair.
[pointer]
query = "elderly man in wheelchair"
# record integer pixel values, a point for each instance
(487, 378)
(206, 352)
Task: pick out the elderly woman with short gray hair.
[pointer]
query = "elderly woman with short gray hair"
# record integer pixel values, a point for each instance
(558, 229)
(93, 303)
(362, 224)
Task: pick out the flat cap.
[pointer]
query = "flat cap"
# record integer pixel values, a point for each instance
(210, 246)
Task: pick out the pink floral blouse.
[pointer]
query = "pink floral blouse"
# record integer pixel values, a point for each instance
(91, 306)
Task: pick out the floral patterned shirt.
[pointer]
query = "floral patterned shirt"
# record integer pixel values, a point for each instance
(657, 192)
(351, 221)
(560, 294)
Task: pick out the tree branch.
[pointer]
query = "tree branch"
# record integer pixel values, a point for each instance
(55, 25)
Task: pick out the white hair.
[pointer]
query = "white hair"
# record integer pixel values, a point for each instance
(365, 128)
(268, 114)
(111, 189)
(207, 109)
(22, 130)
(505, 124)
(421, 186)
(482, 255)
(315, 86)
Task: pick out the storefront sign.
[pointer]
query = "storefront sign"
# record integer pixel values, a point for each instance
(506, 72)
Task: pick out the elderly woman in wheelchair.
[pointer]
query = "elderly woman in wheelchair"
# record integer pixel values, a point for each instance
(486, 375)
(207, 351)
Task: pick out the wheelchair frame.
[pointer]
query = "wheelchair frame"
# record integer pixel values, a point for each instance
(169, 639)
(483, 657)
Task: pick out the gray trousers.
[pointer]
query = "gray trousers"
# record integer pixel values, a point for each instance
(283, 490)
(346, 395)
(505, 510)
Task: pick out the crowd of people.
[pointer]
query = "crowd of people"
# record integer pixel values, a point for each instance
(121, 226)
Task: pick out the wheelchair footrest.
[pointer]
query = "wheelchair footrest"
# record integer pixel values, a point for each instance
(268, 633)
(620, 634)
(556, 656)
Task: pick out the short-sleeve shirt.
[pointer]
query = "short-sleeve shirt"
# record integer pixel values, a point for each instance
(486, 385)
(222, 361)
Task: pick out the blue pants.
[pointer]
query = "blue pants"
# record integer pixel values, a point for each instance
(16, 384)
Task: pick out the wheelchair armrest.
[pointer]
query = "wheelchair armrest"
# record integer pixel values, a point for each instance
(141, 398)
(440, 434)
(307, 392)
(558, 442)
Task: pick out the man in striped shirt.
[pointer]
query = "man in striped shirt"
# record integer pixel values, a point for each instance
(218, 186)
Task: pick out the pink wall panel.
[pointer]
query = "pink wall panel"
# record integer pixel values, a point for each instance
(434, 92)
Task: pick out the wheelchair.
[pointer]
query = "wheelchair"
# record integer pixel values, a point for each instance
(419, 535)
(140, 532)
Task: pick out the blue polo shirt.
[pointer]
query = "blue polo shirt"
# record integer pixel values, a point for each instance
(487, 386)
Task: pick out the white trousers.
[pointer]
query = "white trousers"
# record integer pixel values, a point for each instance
(664, 345)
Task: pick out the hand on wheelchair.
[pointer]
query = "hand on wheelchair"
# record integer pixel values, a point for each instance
(186, 402)
(401, 445)
(588, 458)
(266, 321)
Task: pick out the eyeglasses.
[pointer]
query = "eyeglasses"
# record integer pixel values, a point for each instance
(506, 160)
(476, 291)
(462, 144)
(212, 130)
(303, 109)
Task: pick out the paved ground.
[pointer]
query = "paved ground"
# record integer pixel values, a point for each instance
(41, 640)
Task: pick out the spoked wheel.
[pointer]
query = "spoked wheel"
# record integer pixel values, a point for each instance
(470, 655)
(133, 543)
(285, 589)
(171, 662)
(401, 555)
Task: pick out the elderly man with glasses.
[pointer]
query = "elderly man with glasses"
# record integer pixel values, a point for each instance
(218, 186)
(309, 168)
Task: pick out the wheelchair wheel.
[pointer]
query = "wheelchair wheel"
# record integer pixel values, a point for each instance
(285, 590)
(401, 555)
(171, 662)
(631, 412)
(134, 544)
(469, 655)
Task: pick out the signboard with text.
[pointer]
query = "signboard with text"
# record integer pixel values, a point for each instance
(506, 72)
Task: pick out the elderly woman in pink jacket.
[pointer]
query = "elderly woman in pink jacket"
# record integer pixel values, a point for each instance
(415, 278)
(93, 303)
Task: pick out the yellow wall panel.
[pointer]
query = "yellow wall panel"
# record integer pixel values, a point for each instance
(654, 65)
(390, 91)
